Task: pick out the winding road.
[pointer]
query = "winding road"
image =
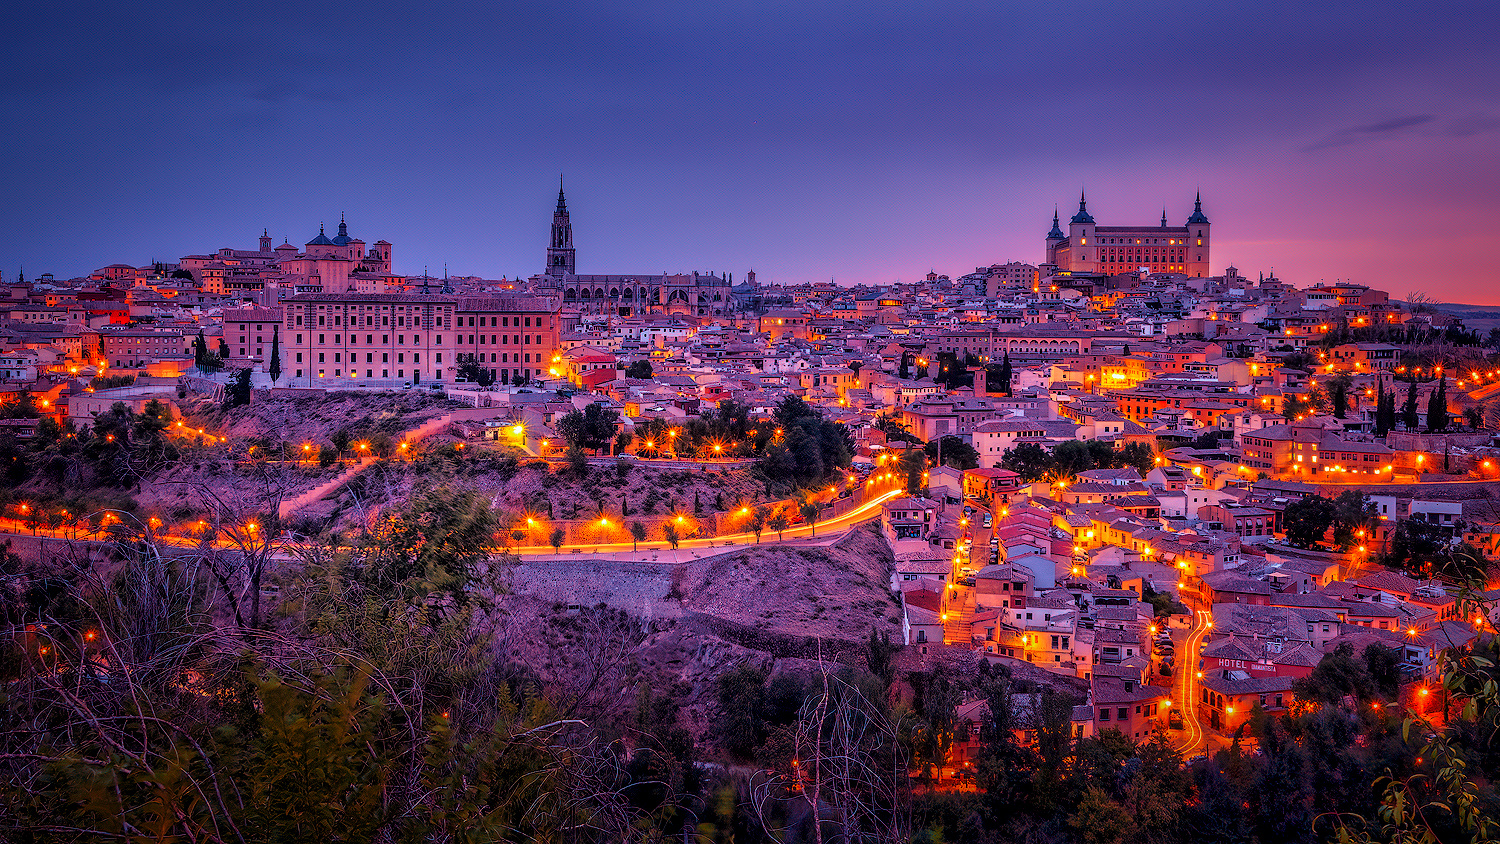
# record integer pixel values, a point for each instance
(1185, 689)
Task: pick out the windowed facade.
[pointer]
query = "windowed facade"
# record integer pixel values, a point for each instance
(426, 338)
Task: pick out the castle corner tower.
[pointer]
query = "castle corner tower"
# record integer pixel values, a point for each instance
(1081, 237)
(1197, 240)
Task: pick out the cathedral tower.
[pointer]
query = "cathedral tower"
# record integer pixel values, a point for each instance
(560, 248)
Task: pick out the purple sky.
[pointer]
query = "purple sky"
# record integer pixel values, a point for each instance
(861, 142)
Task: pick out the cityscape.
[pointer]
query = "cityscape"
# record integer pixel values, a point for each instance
(1103, 540)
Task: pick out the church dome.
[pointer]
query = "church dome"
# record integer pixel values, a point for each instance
(321, 239)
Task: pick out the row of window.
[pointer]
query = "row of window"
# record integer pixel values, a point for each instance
(1123, 712)
(385, 357)
(437, 340)
(369, 321)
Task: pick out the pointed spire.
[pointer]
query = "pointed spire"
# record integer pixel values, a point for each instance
(1198, 217)
(1083, 210)
(1164, 216)
(1056, 233)
(562, 204)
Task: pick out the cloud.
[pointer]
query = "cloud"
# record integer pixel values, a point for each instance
(1370, 131)
(1472, 124)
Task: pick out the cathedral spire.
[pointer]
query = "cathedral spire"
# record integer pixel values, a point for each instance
(1164, 216)
(560, 247)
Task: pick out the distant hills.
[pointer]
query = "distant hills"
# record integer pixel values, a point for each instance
(1479, 317)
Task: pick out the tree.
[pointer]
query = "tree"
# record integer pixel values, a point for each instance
(809, 507)
(1029, 460)
(555, 539)
(1307, 520)
(433, 543)
(1354, 515)
(807, 449)
(1294, 406)
(640, 369)
(779, 522)
(1336, 676)
(955, 452)
(1409, 407)
(637, 534)
(757, 522)
(914, 464)
(200, 349)
(223, 348)
(1338, 395)
(894, 429)
(591, 428)
(238, 392)
(1006, 373)
(1385, 409)
(1474, 416)
(741, 698)
(669, 533)
(275, 366)
(1138, 456)
(472, 372)
(1437, 406)
(879, 651)
(577, 461)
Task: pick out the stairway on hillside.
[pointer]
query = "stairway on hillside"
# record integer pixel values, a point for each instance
(957, 627)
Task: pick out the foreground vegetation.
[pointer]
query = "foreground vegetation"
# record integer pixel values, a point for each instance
(376, 700)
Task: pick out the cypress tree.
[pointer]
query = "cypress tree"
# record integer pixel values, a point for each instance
(1409, 408)
(275, 368)
(1005, 373)
(1437, 406)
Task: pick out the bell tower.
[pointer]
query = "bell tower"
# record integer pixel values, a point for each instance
(560, 248)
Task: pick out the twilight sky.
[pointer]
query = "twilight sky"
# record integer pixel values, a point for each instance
(865, 142)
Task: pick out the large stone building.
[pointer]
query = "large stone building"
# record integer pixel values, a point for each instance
(326, 263)
(692, 294)
(369, 340)
(1090, 248)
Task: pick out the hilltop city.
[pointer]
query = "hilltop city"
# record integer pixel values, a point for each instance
(1113, 496)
